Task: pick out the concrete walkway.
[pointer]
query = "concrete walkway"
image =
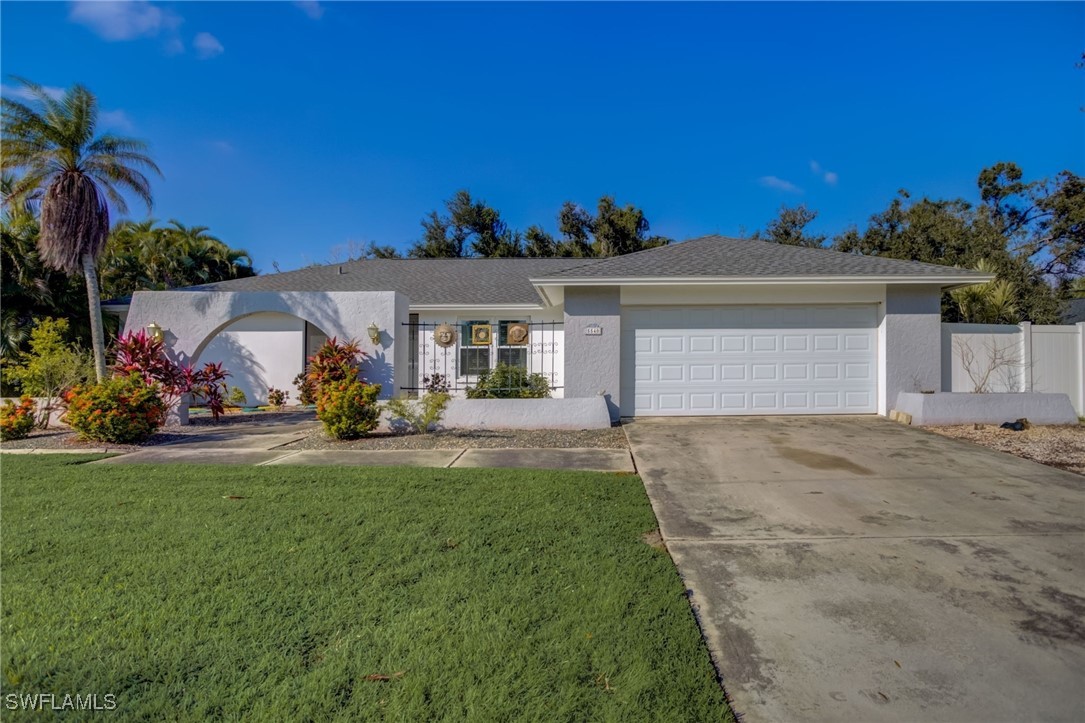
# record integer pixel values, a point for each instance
(852, 569)
(249, 452)
(265, 444)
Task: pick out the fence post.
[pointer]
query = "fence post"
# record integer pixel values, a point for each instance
(1026, 356)
(1081, 368)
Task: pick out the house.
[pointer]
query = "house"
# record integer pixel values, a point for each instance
(710, 326)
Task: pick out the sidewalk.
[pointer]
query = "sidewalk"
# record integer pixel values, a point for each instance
(594, 460)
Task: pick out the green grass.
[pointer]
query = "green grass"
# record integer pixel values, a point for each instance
(499, 594)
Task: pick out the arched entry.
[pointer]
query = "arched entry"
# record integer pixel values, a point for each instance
(261, 350)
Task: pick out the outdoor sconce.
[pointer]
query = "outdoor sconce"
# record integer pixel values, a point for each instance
(374, 333)
(155, 331)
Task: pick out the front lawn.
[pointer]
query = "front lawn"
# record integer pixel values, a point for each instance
(199, 592)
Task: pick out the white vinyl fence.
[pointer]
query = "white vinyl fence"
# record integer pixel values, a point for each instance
(1015, 358)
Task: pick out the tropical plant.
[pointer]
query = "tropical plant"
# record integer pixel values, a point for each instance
(335, 361)
(51, 366)
(17, 420)
(277, 398)
(419, 415)
(139, 354)
(141, 255)
(79, 174)
(348, 408)
(122, 410)
(509, 382)
(991, 303)
(306, 388)
(237, 397)
(208, 387)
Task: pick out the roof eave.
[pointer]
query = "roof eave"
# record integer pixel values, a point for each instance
(946, 281)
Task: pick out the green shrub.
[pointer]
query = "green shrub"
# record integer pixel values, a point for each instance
(421, 414)
(276, 398)
(509, 382)
(51, 366)
(348, 408)
(16, 420)
(122, 410)
(237, 397)
(306, 389)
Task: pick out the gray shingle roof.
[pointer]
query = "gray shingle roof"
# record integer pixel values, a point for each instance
(720, 256)
(467, 282)
(426, 282)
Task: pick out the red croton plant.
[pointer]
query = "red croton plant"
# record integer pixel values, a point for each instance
(144, 356)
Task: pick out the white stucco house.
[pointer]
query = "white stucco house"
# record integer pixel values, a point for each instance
(710, 326)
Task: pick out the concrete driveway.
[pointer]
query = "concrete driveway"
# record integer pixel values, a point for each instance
(853, 569)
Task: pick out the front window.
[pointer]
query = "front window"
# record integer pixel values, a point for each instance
(512, 352)
(474, 358)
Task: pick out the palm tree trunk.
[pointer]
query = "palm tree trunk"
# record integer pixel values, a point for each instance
(94, 301)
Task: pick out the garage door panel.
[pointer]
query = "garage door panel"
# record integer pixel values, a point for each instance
(750, 360)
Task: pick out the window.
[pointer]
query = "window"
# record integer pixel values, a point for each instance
(473, 359)
(512, 355)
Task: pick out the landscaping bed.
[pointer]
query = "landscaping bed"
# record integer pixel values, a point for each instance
(320, 593)
(63, 438)
(1055, 446)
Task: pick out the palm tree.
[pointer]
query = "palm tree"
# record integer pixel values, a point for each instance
(80, 175)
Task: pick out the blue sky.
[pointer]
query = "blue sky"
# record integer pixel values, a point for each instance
(294, 128)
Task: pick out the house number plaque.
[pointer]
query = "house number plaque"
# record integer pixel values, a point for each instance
(593, 330)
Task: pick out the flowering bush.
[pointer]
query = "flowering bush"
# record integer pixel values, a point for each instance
(16, 421)
(122, 410)
(348, 408)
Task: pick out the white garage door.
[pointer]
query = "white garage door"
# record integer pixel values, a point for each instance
(749, 360)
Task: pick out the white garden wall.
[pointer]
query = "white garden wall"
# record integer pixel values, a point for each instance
(1015, 358)
(260, 351)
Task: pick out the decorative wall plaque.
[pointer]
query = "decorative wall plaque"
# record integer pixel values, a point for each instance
(444, 335)
(517, 334)
(481, 334)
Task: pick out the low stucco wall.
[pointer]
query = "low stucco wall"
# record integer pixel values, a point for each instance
(569, 413)
(962, 408)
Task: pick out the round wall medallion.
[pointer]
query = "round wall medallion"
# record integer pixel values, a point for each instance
(517, 334)
(444, 335)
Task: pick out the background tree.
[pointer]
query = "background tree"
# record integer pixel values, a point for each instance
(142, 255)
(789, 228)
(1029, 234)
(80, 174)
(471, 228)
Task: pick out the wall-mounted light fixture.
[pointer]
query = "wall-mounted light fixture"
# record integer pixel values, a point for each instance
(374, 333)
(156, 332)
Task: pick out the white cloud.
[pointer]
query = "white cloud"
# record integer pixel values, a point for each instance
(207, 46)
(223, 146)
(115, 120)
(20, 92)
(778, 184)
(830, 177)
(124, 20)
(312, 8)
